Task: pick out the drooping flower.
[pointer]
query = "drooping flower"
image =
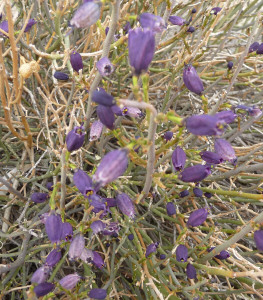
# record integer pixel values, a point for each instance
(181, 253)
(178, 158)
(41, 274)
(170, 209)
(132, 112)
(76, 247)
(53, 258)
(176, 20)
(190, 271)
(61, 76)
(117, 110)
(105, 67)
(253, 47)
(152, 22)
(112, 228)
(4, 27)
(39, 197)
(222, 255)
(43, 289)
(86, 255)
(216, 10)
(141, 45)
(197, 192)
(83, 182)
(151, 248)
(103, 98)
(125, 205)
(211, 157)
(67, 232)
(168, 135)
(98, 294)
(227, 116)
(76, 61)
(230, 65)
(75, 138)
(70, 281)
(97, 226)
(258, 238)
(53, 227)
(194, 174)
(87, 14)
(192, 81)
(97, 260)
(197, 217)
(98, 205)
(30, 24)
(106, 116)
(95, 130)
(224, 149)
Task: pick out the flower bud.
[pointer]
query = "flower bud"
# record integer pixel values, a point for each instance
(70, 281)
(112, 166)
(75, 138)
(208, 195)
(190, 271)
(162, 256)
(86, 15)
(103, 98)
(191, 29)
(105, 67)
(260, 49)
(130, 237)
(49, 186)
(39, 197)
(4, 27)
(194, 174)
(193, 11)
(258, 238)
(226, 116)
(41, 274)
(53, 258)
(61, 76)
(76, 247)
(76, 61)
(178, 158)
(170, 209)
(151, 248)
(211, 157)
(98, 294)
(106, 116)
(192, 81)
(184, 193)
(43, 289)
(197, 192)
(175, 20)
(29, 25)
(125, 205)
(141, 45)
(225, 150)
(67, 232)
(97, 226)
(53, 227)
(152, 22)
(197, 217)
(181, 253)
(215, 10)
(230, 65)
(253, 47)
(168, 135)
(95, 130)
(222, 255)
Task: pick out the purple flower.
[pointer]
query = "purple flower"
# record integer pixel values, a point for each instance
(4, 27)
(224, 149)
(105, 67)
(97, 226)
(175, 20)
(29, 25)
(76, 247)
(184, 193)
(170, 209)
(53, 258)
(215, 10)
(192, 81)
(76, 61)
(53, 227)
(162, 256)
(103, 98)
(258, 238)
(70, 281)
(112, 166)
(191, 29)
(190, 271)
(86, 255)
(86, 15)
(125, 205)
(67, 232)
(132, 112)
(152, 22)
(83, 182)
(255, 112)
(151, 248)
(141, 45)
(106, 116)
(197, 192)
(194, 174)
(41, 274)
(97, 260)
(208, 195)
(230, 65)
(117, 110)
(178, 158)
(226, 116)
(61, 76)
(193, 11)
(43, 289)
(260, 49)
(50, 186)
(211, 157)
(181, 253)
(98, 294)
(112, 228)
(99, 205)
(168, 135)
(39, 197)
(205, 125)
(197, 217)
(130, 237)
(126, 27)
(222, 255)
(95, 130)
(75, 138)
(253, 47)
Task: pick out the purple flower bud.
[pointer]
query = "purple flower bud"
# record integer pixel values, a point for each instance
(178, 158)
(103, 98)
(43, 289)
(152, 22)
(127, 27)
(95, 130)
(97, 260)
(112, 166)
(260, 49)
(83, 182)
(61, 76)
(53, 258)
(53, 227)
(67, 232)
(215, 10)
(105, 67)
(230, 65)
(98, 294)
(192, 81)
(141, 45)
(225, 150)
(151, 248)
(130, 237)
(112, 228)
(193, 11)
(41, 274)
(194, 174)
(208, 195)
(197, 217)
(222, 255)
(117, 110)
(49, 186)
(205, 125)
(253, 47)
(175, 20)
(184, 193)
(190, 271)
(29, 25)
(162, 256)
(106, 116)
(125, 205)
(70, 281)
(258, 238)
(76, 61)
(197, 192)
(76, 247)
(75, 138)
(226, 116)
(39, 197)
(191, 29)
(86, 15)
(211, 157)
(97, 226)
(168, 135)
(170, 209)
(4, 27)
(181, 253)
